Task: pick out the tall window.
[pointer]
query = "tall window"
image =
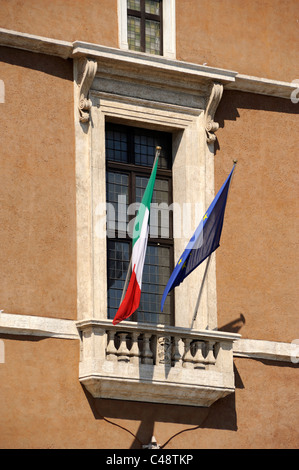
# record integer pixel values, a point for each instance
(145, 26)
(130, 155)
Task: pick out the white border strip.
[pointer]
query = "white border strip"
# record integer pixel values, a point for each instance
(232, 80)
(260, 349)
(18, 324)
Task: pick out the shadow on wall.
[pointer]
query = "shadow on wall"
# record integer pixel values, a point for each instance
(233, 100)
(221, 415)
(234, 326)
(51, 65)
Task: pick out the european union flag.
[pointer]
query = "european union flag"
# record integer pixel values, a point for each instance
(204, 241)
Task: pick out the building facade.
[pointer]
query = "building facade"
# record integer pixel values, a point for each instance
(88, 90)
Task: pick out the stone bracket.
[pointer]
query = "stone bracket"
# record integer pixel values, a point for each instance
(87, 69)
(212, 104)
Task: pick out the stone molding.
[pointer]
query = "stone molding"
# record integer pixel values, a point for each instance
(87, 69)
(156, 363)
(68, 50)
(33, 43)
(212, 105)
(18, 324)
(31, 325)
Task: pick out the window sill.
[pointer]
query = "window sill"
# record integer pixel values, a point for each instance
(154, 363)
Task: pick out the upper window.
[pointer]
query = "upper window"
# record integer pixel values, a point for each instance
(145, 26)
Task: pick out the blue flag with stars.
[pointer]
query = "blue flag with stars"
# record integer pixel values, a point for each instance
(204, 241)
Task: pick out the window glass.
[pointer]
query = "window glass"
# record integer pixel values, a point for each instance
(117, 194)
(144, 26)
(134, 33)
(152, 37)
(134, 4)
(129, 158)
(156, 273)
(152, 6)
(116, 145)
(118, 264)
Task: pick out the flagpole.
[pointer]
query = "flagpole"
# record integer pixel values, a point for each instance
(157, 154)
(203, 279)
(200, 291)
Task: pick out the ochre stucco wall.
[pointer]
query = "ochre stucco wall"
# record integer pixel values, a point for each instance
(44, 406)
(256, 37)
(92, 21)
(37, 174)
(257, 262)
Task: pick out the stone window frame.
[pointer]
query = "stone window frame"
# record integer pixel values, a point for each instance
(168, 27)
(123, 87)
(192, 162)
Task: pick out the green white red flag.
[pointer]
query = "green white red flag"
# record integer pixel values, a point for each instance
(131, 300)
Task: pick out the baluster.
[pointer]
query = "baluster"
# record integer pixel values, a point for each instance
(178, 351)
(198, 357)
(134, 351)
(188, 358)
(123, 352)
(164, 350)
(147, 356)
(111, 350)
(210, 359)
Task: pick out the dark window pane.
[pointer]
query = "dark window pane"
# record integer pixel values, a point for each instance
(156, 273)
(125, 184)
(117, 197)
(137, 145)
(116, 145)
(117, 266)
(134, 5)
(145, 143)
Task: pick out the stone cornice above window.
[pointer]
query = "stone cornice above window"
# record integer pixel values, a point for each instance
(231, 80)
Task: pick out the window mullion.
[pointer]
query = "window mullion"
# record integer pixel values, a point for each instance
(142, 25)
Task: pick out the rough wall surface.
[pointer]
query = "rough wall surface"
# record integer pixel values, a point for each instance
(37, 171)
(254, 37)
(257, 269)
(49, 409)
(67, 20)
(42, 402)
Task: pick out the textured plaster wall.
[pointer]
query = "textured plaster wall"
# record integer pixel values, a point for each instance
(37, 186)
(257, 262)
(44, 406)
(92, 21)
(253, 37)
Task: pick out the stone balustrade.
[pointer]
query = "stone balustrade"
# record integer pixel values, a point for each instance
(174, 350)
(155, 363)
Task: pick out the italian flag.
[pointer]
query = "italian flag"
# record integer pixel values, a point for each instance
(131, 300)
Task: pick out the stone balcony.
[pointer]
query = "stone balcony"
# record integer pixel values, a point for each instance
(155, 363)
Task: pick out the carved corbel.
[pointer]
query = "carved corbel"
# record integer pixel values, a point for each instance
(212, 105)
(87, 69)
